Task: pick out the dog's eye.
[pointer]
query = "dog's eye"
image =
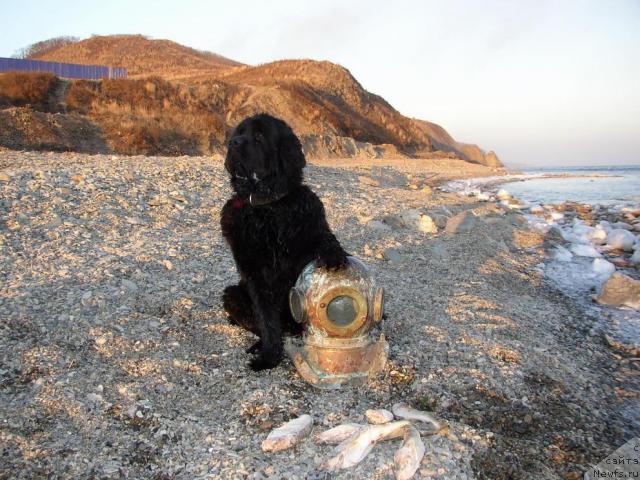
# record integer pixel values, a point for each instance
(258, 137)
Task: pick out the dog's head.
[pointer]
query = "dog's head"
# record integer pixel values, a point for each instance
(264, 159)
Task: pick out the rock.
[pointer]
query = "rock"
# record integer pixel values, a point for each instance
(536, 209)
(633, 211)
(597, 236)
(602, 267)
(635, 258)
(582, 250)
(503, 194)
(463, 222)
(427, 225)
(167, 264)
(622, 225)
(416, 220)
(620, 290)
(378, 225)
(620, 262)
(440, 219)
(4, 177)
(77, 178)
(554, 234)
(393, 221)
(379, 416)
(620, 239)
(562, 254)
(393, 255)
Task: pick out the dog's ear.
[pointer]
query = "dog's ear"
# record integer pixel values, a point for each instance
(290, 154)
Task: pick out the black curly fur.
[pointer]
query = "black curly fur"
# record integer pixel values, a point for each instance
(274, 225)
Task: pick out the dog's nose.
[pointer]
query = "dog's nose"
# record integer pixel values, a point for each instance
(236, 141)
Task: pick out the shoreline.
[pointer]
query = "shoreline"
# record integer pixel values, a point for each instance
(579, 259)
(473, 184)
(118, 359)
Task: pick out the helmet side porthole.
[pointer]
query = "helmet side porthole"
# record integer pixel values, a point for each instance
(297, 305)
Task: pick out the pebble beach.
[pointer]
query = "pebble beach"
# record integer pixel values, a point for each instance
(117, 361)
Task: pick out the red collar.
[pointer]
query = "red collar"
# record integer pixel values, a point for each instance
(238, 203)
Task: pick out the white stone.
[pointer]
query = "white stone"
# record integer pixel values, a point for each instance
(603, 267)
(598, 235)
(503, 194)
(582, 250)
(379, 416)
(620, 239)
(416, 220)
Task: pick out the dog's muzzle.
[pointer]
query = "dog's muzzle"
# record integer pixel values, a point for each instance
(342, 311)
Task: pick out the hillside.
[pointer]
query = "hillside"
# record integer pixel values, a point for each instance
(182, 101)
(141, 56)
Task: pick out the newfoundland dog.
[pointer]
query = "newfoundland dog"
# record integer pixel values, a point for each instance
(274, 225)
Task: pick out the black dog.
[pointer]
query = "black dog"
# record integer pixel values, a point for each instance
(274, 225)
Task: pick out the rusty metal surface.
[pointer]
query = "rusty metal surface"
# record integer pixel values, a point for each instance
(329, 354)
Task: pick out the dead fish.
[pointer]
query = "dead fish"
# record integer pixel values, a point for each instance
(288, 434)
(378, 417)
(354, 450)
(404, 411)
(408, 457)
(338, 434)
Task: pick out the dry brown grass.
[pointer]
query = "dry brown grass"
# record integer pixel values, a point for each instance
(149, 116)
(32, 89)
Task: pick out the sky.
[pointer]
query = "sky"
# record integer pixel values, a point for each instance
(541, 83)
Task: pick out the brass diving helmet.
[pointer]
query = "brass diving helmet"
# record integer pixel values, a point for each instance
(342, 313)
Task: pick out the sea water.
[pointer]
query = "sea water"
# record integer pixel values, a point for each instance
(616, 185)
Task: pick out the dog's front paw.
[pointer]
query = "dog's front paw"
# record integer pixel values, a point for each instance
(255, 348)
(332, 261)
(264, 362)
